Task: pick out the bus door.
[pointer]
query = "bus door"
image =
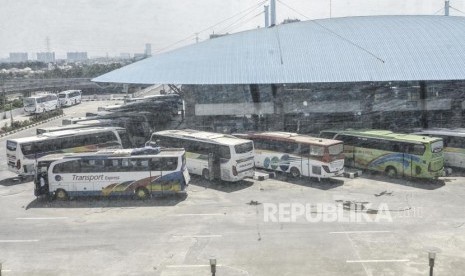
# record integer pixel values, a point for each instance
(349, 149)
(405, 165)
(214, 165)
(41, 179)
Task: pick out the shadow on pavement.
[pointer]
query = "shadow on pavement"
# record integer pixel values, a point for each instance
(15, 181)
(425, 184)
(102, 202)
(222, 186)
(322, 184)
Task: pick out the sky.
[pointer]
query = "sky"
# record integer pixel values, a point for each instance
(111, 27)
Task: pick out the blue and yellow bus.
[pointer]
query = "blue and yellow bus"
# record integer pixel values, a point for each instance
(137, 172)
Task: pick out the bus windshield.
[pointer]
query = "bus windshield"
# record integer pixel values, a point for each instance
(336, 149)
(437, 146)
(11, 145)
(316, 150)
(243, 148)
(61, 96)
(29, 102)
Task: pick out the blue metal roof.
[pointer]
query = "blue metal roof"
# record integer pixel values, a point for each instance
(351, 49)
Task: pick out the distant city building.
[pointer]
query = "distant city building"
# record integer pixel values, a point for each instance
(76, 56)
(46, 57)
(125, 56)
(18, 57)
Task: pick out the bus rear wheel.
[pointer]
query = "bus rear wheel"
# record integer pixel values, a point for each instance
(142, 193)
(391, 171)
(295, 173)
(61, 194)
(206, 174)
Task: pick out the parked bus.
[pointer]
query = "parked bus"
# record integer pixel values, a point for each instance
(454, 144)
(69, 97)
(22, 152)
(297, 154)
(211, 155)
(393, 153)
(78, 125)
(40, 103)
(137, 124)
(139, 172)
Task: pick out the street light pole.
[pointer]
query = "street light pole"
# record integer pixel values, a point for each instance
(431, 257)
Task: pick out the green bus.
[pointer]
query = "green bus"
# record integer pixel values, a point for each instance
(393, 153)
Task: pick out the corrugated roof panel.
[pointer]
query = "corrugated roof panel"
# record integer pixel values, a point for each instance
(351, 49)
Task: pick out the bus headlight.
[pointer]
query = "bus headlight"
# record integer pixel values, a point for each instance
(234, 170)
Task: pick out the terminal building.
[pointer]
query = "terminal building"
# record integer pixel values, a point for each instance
(384, 72)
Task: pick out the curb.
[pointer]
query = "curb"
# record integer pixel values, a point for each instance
(32, 125)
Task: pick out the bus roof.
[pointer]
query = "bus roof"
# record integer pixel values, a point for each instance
(389, 135)
(211, 137)
(291, 137)
(64, 133)
(36, 96)
(459, 132)
(68, 91)
(109, 153)
(80, 124)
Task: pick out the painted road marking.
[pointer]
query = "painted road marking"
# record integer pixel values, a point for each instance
(44, 218)
(197, 236)
(6, 241)
(377, 261)
(359, 232)
(185, 266)
(180, 215)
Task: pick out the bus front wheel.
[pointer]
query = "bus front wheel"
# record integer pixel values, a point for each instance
(142, 193)
(61, 194)
(295, 172)
(391, 171)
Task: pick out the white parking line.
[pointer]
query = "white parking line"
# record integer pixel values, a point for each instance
(377, 261)
(197, 236)
(359, 232)
(7, 241)
(214, 214)
(186, 266)
(44, 218)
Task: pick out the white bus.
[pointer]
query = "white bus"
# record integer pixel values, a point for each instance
(40, 103)
(211, 155)
(69, 97)
(138, 172)
(22, 153)
(137, 125)
(454, 144)
(297, 154)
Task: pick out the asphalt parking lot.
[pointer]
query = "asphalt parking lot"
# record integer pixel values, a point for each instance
(230, 222)
(371, 225)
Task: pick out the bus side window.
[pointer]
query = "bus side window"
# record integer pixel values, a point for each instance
(396, 147)
(224, 152)
(155, 164)
(305, 150)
